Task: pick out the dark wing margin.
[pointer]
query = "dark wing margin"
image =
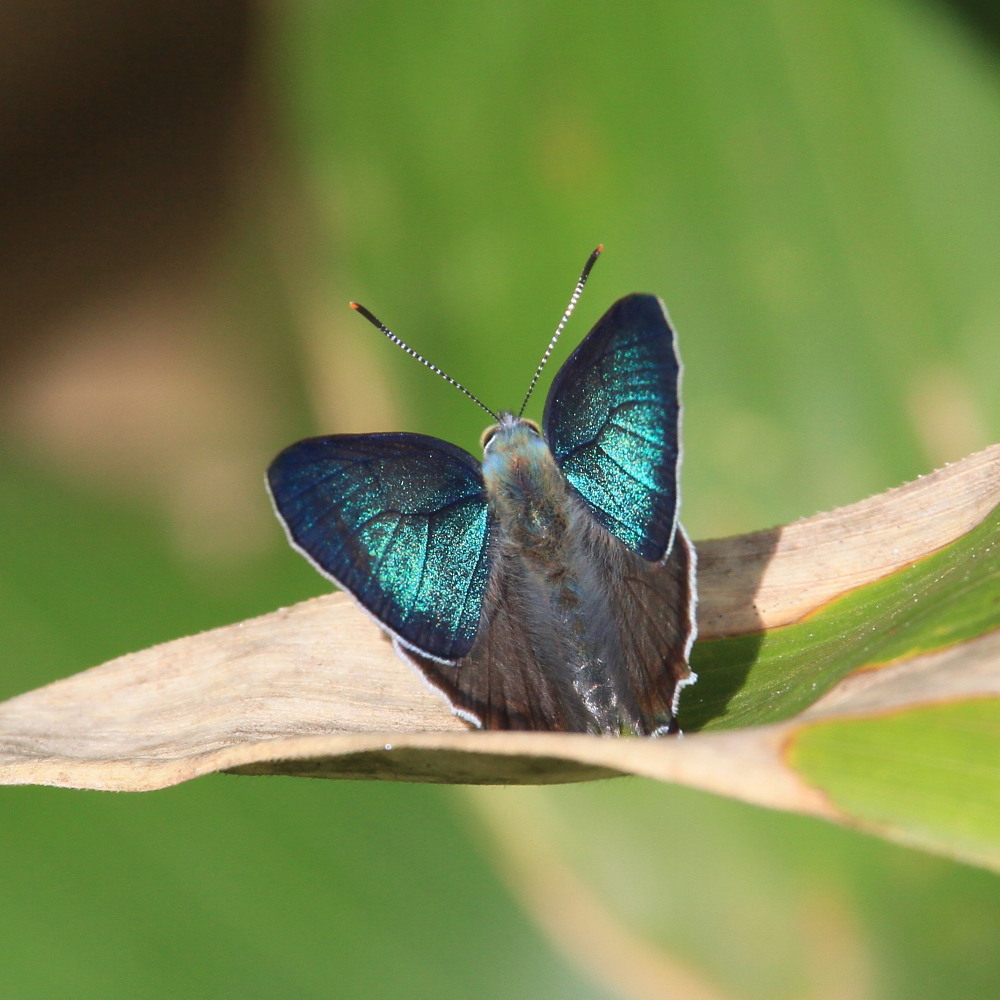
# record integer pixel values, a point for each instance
(398, 520)
(611, 420)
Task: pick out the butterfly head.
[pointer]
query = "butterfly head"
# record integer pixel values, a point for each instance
(512, 441)
(508, 427)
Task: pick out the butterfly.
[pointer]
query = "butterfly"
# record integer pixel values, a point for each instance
(549, 587)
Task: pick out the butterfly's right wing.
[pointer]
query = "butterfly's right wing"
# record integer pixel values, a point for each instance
(612, 419)
(398, 520)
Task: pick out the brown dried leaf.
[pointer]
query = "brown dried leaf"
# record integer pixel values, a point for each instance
(317, 690)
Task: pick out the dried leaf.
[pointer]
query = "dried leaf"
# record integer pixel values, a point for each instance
(317, 690)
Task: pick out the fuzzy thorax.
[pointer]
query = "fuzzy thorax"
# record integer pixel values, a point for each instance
(526, 488)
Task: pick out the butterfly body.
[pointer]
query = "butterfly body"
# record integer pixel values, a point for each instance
(550, 587)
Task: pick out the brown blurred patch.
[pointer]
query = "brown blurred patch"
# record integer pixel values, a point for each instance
(129, 133)
(119, 129)
(943, 410)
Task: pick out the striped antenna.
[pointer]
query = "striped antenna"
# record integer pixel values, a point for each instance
(413, 354)
(584, 274)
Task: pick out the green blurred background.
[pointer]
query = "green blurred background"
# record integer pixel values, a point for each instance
(191, 193)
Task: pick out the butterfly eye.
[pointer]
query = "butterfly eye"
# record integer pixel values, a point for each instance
(532, 425)
(488, 435)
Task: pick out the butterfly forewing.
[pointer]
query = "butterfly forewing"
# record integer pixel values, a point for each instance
(398, 520)
(611, 420)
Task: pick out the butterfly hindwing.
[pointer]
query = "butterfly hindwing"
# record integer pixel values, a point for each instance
(508, 681)
(633, 628)
(611, 419)
(399, 521)
(655, 602)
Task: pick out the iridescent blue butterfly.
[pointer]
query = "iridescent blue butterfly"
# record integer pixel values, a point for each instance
(550, 587)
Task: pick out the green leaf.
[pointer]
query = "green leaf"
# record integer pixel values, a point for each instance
(945, 598)
(928, 776)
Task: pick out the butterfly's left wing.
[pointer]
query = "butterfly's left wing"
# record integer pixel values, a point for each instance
(611, 420)
(517, 675)
(398, 520)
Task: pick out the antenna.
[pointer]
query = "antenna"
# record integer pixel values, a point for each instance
(584, 274)
(413, 354)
